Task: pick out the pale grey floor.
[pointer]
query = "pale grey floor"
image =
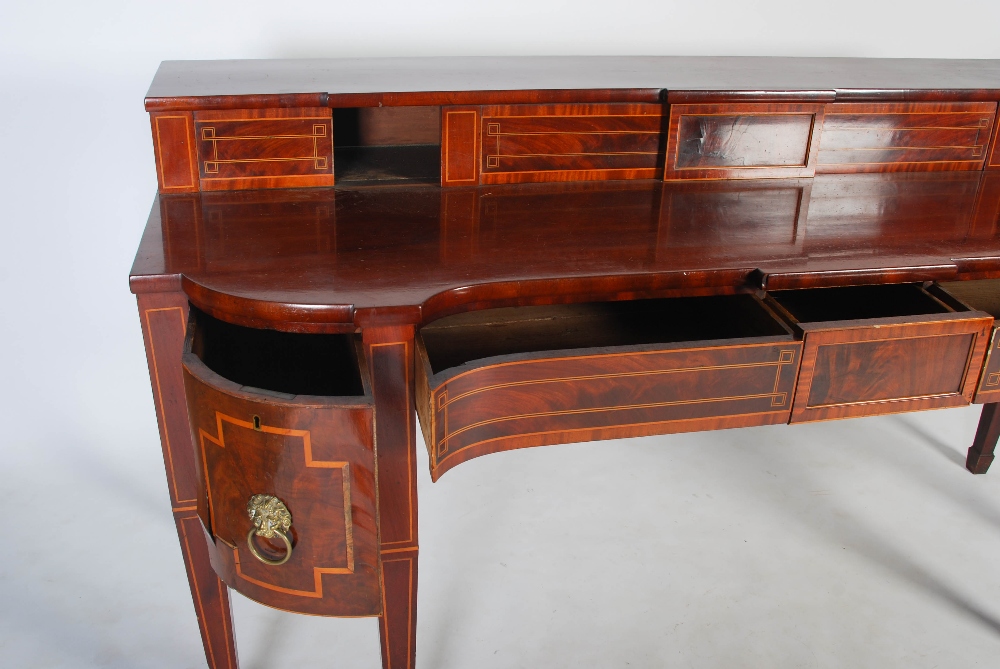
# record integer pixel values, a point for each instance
(859, 543)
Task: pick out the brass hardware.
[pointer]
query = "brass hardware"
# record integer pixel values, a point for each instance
(270, 519)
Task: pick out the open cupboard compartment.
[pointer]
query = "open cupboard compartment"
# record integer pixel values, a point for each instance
(387, 145)
(282, 424)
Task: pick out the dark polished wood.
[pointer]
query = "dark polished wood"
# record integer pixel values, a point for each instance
(460, 145)
(915, 136)
(733, 242)
(872, 350)
(164, 317)
(264, 148)
(742, 141)
(264, 426)
(175, 150)
(389, 350)
(425, 252)
(500, 379)
(371, 82)
(980, 455)
(526, 143)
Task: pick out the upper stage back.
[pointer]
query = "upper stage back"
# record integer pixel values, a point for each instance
(451, 80)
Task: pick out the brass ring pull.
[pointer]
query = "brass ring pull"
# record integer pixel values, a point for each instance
(273, 563)
(270, 519)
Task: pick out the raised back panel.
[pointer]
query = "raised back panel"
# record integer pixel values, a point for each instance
(909, 136)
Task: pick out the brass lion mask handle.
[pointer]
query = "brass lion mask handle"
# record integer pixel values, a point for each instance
(270, 519)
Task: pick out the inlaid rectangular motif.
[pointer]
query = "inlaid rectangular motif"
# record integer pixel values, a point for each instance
(522, 143)
(888, 137)
(264, 148)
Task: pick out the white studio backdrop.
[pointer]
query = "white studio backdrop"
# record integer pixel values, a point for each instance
(856, 543)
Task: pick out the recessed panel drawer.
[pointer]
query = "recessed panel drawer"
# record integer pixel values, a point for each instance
(882, 349)
(983, 295)
(742, 141)
(283, 429)
(500, 379)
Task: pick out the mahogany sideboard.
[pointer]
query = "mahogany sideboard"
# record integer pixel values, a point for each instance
(532, 251)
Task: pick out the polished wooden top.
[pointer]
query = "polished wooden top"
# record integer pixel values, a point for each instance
(330, 259)
(484, 80)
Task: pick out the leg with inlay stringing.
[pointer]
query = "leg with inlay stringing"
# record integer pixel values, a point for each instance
(164, 320)
(390, 360)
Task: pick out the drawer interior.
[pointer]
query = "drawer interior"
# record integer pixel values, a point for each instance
(458, 339)
(818, 305)
(283, 362)
(983, 295)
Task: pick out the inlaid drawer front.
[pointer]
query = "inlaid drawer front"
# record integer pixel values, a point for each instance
(882, 349)
(264, 148)
(510, 401)
(885, 137)
(262, 454)
(732, 141)
(522, 143)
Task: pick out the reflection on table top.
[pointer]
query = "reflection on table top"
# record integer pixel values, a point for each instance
(335, 255)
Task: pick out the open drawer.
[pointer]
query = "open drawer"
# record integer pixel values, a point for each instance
(882, 349)
(983, 295)
(283, 433)
(507, 378)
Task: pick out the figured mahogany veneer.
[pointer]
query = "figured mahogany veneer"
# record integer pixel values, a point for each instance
(294, 420)
(864, 137)
(734, 141)
(333, 256)
(499, 379)
(882, 349)
(724, 242)
(243, 148)
(569, 142)
(175, 151)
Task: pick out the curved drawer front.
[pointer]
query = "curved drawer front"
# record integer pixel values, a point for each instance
(315, 455)
(550, 398)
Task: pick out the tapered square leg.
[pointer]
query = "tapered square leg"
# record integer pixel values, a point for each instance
(164, 320)
(981, 454)
(390, 359)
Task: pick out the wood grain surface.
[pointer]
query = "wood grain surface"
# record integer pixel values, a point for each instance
(495, 380)
(742, 140)
(530, 143)
(264, 148)
(273, 434)
(871, 350)
(869, 137)
(332, 256)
